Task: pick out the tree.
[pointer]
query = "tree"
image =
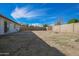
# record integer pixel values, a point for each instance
(45, 25)
(73, 21)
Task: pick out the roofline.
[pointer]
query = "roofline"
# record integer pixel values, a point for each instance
(9, 19)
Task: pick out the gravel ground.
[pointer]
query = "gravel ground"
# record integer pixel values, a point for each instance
(39, 43)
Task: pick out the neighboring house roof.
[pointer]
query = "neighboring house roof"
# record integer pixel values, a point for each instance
(9, 19)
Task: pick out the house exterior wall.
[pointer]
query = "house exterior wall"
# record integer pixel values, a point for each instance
(1, 26)
(13, 27)
(10, 26)
(17, 27)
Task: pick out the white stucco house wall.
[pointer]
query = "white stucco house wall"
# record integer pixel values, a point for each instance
(1, 26)
(8, 26)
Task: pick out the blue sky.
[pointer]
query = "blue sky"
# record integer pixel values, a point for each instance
(39, 13)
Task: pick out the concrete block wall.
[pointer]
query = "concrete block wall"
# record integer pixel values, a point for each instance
(76, 27)
(71, 28)
(56, 28)
(67, 28)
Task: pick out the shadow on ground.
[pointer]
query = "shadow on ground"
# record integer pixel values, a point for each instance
(26, 44)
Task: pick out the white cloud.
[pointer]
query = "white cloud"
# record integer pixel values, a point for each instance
(19, 12)
(24, 12)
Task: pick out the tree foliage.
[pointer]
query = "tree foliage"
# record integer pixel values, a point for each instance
(45, 25)
(73, 21)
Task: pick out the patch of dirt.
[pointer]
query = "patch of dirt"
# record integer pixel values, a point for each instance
(68, 43)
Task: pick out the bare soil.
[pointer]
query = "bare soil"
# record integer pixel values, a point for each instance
(67, 43)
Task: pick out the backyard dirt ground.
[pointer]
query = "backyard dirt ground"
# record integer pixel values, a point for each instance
(68, 43)
(40, 43)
